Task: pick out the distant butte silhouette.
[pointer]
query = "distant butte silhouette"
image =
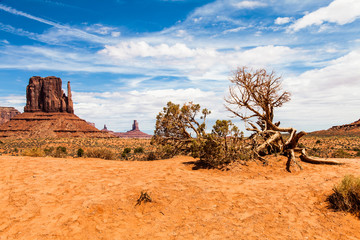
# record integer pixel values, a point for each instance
(133, 133)
(6, 113)
(48, 113)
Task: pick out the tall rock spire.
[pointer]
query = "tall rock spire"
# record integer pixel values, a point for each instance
(70, 107)
(135, 126)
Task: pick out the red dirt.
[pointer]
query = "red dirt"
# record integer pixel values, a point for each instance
(48, 198)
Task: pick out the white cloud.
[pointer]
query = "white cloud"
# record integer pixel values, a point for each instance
(115, 34)
(29, 16)
(249, 4)
(4, 41)
(196, 64)
(103, 30)
(126, 50)
(339, 11)
(282, 20)
(327, 96)
(15, 101)
(234, 30)
(58, 33)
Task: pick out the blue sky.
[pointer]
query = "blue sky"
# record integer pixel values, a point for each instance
(125, 59)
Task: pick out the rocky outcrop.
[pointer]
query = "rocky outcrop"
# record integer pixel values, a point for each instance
(346, 129)
(6, 113)
(46, 95)
(135, 126)
(48, 113)
(49, 125)
(134, 133)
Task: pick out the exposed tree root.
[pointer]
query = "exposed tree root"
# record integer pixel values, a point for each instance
(314, 160)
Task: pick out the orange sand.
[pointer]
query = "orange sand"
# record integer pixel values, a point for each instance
(48, 198)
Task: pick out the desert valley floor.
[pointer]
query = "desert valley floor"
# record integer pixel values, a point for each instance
(76, 198)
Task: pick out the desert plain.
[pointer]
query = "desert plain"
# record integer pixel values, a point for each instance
(89, 198)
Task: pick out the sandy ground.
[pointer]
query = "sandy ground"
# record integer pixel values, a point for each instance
(48, 198)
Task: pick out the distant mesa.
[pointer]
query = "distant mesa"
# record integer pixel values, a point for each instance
(133, 133)
(346, 129)
(48, 113)
(6, 113)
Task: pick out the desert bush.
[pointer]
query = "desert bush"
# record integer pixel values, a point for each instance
(49, 151)
(127, 150)
(34, 152)
(60, 152)
(103, 153)
(224, 145)
(340, 153)
(346, 196)
(139, 150)
(80, 152)
(152, 156)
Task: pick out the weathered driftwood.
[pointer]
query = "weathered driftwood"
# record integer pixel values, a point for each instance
(305, 158)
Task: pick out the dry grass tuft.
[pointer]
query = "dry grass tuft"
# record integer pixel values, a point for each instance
(33, 152)
(103, 153)
(346, 196)
(144, 198)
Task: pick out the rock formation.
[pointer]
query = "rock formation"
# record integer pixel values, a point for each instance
(46, 95)
(346, 129)
(6, 113)
(135, 126)
(134, 133)
(48, 113)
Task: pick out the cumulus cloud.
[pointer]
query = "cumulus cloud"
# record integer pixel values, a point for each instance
(282, 20)
(326, 95)
(249, 4)
(339, 11)
(193, 62)
(125, 50)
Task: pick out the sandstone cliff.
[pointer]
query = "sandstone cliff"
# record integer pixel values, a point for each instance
(46, 95)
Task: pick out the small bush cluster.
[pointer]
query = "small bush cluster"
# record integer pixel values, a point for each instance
(346, 196)
(103, 153)
(34, 152)
(80, 152)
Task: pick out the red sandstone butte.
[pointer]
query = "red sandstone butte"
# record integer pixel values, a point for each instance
(46, 95)
(48, 113)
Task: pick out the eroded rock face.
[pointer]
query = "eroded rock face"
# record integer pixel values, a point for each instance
(46, 95)
(135, 126)
(6, 113)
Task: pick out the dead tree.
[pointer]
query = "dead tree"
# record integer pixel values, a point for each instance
(253, 97)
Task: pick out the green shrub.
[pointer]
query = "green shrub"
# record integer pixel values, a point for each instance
(346, 196)
(317, 142)
(102, 153)
(80, 152)
(34, 152)
(48, 151)
(127, 150)
(340, 153)
(60, 152)
(139, 150)
(152, 156)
